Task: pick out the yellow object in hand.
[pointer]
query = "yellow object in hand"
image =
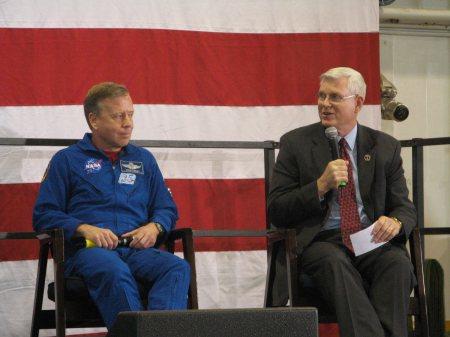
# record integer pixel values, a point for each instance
(90, 244)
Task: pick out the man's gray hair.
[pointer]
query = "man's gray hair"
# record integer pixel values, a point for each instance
(356, 84)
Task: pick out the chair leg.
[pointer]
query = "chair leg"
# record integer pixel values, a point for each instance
(292, 268)
(39, 291)
(60, 316)
(268, 301)
(58, 265)
(419, 290)
(189, 255)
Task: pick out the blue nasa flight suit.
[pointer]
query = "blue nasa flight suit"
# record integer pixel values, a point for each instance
(83, 186)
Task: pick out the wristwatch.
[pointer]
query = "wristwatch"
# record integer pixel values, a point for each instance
(160, 228)
(397, 221)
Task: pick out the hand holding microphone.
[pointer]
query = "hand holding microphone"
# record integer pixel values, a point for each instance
(336, 173)
(94, 236)
(89, 236)
(332, 134)
(86, 243)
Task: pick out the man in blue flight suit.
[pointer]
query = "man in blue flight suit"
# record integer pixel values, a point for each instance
(102, 188)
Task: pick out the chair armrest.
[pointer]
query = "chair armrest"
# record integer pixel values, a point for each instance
(179, 233)
(54, 240)
(45, 238)
(183, 234)
(276, 235)
(187, 241)
(17, 235)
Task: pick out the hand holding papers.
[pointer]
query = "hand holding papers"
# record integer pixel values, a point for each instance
(362, 241)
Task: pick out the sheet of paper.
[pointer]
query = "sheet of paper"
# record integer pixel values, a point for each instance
(362, 241)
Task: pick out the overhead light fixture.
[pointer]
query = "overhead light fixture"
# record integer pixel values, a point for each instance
(390, 108)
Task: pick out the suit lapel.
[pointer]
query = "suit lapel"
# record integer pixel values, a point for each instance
(366, 163)
(320, 151)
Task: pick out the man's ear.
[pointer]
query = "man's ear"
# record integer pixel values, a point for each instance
(93, 120)
(359, 103)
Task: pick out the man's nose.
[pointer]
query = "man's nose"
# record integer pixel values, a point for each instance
(127, 121)
(326, 101)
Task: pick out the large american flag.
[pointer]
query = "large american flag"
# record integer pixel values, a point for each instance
(197, 70)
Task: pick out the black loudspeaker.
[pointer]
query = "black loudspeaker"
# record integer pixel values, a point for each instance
(276, 322)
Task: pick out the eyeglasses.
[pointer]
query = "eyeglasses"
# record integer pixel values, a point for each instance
(120, 116)
(333, 98)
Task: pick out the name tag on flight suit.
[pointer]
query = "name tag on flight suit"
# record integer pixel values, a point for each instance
(127, 178)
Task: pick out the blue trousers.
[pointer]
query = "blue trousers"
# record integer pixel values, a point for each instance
(110, 276)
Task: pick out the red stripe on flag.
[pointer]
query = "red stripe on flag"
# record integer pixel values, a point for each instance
(233, 204)
(16, 209)
(202, 204)
(57, 66)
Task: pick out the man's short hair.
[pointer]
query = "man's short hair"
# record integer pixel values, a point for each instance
(356, 84)
(98, 93)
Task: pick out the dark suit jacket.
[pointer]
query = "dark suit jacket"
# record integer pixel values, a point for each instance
(294, 200)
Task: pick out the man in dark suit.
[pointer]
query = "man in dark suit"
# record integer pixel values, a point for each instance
(370, 292)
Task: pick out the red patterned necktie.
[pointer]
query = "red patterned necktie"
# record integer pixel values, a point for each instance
(350, 222)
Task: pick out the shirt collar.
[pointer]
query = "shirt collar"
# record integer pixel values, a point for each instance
(86, 142)
(351, 137)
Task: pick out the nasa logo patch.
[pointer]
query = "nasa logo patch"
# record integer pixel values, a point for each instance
(93, 165)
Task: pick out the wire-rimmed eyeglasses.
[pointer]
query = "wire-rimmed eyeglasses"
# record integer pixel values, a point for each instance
(334, 98)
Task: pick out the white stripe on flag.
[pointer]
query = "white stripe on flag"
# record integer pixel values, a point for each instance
(159, 122)
(174, 122)
(250, 16)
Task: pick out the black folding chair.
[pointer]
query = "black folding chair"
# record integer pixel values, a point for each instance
(73, 305)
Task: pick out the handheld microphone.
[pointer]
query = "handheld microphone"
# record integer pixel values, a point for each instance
(86, 243)
(332, 134)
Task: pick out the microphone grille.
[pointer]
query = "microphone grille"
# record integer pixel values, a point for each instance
(331, 132)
